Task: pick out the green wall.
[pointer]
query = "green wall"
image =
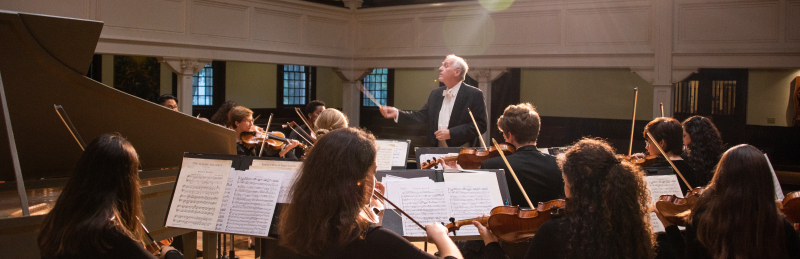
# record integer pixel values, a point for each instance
(412, 87)
(769, 96)
(586, 93)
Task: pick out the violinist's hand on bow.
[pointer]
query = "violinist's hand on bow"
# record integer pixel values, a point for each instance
(486, 234)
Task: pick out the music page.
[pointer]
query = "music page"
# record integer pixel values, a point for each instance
(252, 202)
(661, 185)
(425, 202)
(276, 165)
(385, 155)
(198, 194)
(286, 184)
(470, 200)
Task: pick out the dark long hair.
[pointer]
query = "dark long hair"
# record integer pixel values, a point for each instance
(705, 148)
(327, 197)
(736, 215)
(104, 185)
(606, 196)
(221, 116)
(670, 131)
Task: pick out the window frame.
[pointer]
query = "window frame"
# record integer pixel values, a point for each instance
(389, 90)
(311, 86)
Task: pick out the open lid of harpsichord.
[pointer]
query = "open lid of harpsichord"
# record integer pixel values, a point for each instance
(43, 60)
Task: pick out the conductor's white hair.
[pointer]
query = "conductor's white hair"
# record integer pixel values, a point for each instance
(459, 63)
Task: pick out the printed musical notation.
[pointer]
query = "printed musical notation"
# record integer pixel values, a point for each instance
(385, 156)
(198, 194)
(400, 154)
(252, 203)
(426, 202)
(276, 165)
(469, 200)
(661, 185)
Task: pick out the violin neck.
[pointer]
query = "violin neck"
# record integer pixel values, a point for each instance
(468, 222)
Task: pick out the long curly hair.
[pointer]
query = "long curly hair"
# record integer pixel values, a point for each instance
(606, 196)
(221, 116)
(706, 147)
(327, 200)
(736, 215)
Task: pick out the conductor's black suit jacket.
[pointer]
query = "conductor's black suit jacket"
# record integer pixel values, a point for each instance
(462, 130)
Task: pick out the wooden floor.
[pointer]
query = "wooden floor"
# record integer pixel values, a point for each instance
(240, 247)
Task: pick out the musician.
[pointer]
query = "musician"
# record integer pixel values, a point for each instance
(312, 111)
(95, 215)
(329, 120)
(449, 123)
(736, 217)
(668, 132)
(169, 101)
(221, 116)
(240, 119)
(703, 147)
(330, 197)
(605, 215)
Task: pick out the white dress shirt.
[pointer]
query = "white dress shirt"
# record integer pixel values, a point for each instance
(447, 109)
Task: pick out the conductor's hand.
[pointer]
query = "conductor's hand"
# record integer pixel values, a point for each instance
(442, 134)
(388, 112)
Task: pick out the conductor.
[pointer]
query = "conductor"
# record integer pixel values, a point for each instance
(449, 123)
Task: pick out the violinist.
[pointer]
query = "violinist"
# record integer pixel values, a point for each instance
(240, 119)
(312, 111)
(736, 217)
(329, 197)
(703, 146)
(329, 120)
(221, 116)
(605, 215)
(96, 214)
(668, 132)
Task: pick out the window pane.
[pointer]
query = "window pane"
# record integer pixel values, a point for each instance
(202, 86)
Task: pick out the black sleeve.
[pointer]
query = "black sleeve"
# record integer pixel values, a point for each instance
(494, 251)
(792, 240)
(173, 254)
(693, 248)
(466, 132)
(383, 243)
(548, 243)
(124, 247)
(420, 116)
(676, 241)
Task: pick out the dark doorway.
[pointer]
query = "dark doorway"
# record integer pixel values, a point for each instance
(720, 95)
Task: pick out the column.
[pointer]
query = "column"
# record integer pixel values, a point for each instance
(185, 68)
(485, 77)
(351, 91)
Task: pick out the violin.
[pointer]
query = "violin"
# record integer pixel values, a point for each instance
(512, 224)
(790, 207)
(676, 210)
(645, 161)
(276, 139)
(471, 158)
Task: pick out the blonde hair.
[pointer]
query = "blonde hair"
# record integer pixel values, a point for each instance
(328, 120)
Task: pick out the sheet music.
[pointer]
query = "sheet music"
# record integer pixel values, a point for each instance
(400, 152)
(489, 178)
(226, 198)
(661, 185)
(288, 180)
(470, 200)
(385, 155)
(426, 202)
(393, 191)
(252, 203)
(199, 193)
(778, 189)
(276, 165)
